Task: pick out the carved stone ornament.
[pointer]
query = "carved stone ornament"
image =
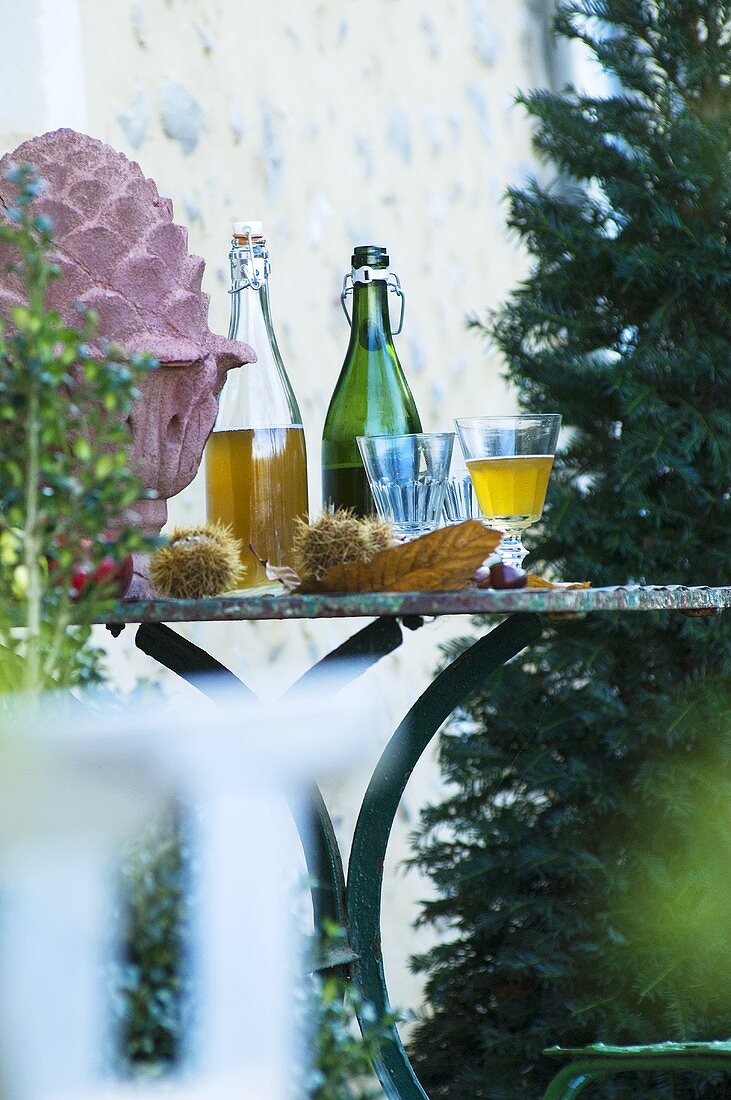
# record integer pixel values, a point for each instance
(121, 254)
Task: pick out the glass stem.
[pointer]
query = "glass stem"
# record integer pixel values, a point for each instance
(511, 549)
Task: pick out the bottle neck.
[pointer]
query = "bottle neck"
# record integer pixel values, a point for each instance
(250, 312)
(249, 284)
(260, 395)
(371, 326)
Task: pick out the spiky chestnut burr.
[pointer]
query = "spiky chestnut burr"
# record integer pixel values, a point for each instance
(197, 562)
(336, 538)
(379, 532)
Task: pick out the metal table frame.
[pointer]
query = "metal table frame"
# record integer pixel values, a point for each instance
(355, 902)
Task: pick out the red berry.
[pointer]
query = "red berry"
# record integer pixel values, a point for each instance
(118, 574)
(79, 580)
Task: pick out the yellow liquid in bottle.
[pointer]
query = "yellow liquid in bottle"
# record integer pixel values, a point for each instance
(256, 483)
(511, 491)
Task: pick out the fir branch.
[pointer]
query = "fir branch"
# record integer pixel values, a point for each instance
(579, 861)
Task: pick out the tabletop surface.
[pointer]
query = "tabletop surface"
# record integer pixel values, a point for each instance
(466, 601)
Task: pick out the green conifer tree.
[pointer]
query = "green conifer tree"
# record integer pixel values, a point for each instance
(583, 862)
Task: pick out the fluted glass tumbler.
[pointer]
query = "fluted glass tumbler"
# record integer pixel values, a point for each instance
(460, 502)
(407, 476)
(509, 459)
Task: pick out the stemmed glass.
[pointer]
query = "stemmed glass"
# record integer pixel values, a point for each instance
(509, 459)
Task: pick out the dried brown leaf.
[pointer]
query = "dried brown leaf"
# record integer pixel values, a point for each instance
(288, 578)
(534, 581)
(443, 560)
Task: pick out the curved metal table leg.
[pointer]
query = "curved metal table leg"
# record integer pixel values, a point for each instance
(188, 661)
(322, 852)
(569, 1082)
(353, 657)
(322, 855)
(365, 872)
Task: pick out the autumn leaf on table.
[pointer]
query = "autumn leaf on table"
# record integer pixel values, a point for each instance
(287, 577)
(534, 581)
(443, 560)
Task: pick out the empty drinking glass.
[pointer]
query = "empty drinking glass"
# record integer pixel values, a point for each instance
(407, 475)
(460, 501)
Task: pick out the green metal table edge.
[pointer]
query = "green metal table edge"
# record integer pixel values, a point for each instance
(465, 601)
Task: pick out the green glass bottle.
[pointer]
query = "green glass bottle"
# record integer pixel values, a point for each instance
(371, 396)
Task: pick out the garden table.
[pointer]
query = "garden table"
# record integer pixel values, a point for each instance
(355, 903)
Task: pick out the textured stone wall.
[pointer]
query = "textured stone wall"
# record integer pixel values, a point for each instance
(337, 122)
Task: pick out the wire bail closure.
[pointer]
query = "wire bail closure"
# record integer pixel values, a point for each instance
(370, 275)
(245, 271)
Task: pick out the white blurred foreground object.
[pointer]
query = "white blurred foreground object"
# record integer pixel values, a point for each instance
(74, 787)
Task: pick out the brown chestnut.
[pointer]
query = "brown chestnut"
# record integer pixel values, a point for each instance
(507, 576)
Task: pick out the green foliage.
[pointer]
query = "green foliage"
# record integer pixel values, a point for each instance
(153, 997)
(342, 1057)
(151, 985)
(65, 482)
(582, 863)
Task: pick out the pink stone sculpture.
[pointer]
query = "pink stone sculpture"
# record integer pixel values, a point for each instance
(122, 255)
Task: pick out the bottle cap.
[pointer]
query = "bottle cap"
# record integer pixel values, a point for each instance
(369, 255)
(244, 228)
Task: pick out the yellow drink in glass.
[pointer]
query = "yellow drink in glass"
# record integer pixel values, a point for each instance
(510, 459)
(511, 491)
(256, 483)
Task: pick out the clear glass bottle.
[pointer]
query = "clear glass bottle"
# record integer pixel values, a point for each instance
(256, 460)
(372, 396)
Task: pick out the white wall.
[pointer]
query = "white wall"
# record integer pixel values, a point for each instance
(338, 122)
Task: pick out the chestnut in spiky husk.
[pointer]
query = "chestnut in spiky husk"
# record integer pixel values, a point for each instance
(380, 533)
(197, 562)
(336, 538)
